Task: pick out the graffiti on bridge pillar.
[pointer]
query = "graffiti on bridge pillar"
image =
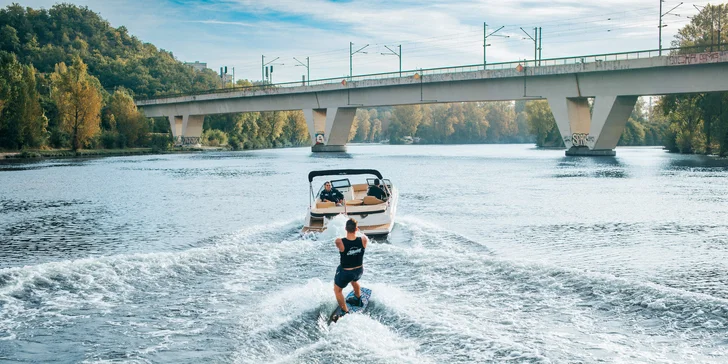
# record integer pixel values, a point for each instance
(190, 140)
(579, 140)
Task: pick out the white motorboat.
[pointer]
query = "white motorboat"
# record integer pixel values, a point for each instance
(375, 216)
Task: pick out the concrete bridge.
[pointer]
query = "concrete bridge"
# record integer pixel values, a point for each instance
(614, 81)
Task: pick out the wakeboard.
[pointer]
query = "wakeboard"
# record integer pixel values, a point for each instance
(366, 295)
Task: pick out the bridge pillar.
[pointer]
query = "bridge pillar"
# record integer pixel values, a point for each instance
(186, 129)
(591, 133)
(175, 124)
(329, 128)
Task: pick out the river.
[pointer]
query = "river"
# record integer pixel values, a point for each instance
(499, 253)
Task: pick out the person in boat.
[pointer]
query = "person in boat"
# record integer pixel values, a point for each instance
(351, 265)
(331, 194)
(377, 191)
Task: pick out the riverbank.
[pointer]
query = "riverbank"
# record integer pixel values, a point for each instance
(67, 153)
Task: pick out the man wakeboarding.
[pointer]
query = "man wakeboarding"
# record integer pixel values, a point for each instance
(351, 267)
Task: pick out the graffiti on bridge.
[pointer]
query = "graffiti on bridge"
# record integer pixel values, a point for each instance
(190, 140)
(579, 139)
(700, 58)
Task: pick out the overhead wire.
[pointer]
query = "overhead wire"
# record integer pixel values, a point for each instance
(557, 31)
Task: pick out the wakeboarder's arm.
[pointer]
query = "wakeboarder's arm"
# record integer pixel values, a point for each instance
(340, 245)
(364, 241)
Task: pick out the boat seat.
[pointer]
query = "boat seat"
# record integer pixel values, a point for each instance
(360, 187)
(354, 202)
(324, 204)
(371, 200)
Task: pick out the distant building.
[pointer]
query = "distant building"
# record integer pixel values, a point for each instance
(227, 79)
(197, 66)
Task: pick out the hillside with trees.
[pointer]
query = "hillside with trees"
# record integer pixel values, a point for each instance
(68, 80)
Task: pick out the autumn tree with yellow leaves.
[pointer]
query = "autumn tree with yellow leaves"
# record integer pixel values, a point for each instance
(78, 99)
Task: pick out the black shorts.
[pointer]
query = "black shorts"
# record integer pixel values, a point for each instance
(343, 277)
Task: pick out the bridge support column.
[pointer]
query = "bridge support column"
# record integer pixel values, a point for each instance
(329, 128)
(175, 125)
(186, 129)
(592, 133)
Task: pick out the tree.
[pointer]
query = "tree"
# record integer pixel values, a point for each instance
(409, 117)
(376, 132)
(34, 122)
(77, 96)
(699, 123)
(542, 124)
(501, 117)
(9, 40)
(686, 123)
(22, 123)
(364, 125)
(11, 77)
(130, 123)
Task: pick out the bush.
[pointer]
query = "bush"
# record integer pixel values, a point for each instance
(235, 142)
(108, 139)
(60, 139)
(160, 142)
(214, 138)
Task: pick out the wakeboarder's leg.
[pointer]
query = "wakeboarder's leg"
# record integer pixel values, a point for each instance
(356, 300)
(340, 298)
(357, 289)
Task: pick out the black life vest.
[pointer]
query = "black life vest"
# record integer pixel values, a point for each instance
(353, 254)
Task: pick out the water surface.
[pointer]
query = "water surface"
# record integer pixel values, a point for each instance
(499, 253)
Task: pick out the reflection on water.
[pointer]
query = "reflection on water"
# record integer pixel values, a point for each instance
(334, 155)
(596, 167)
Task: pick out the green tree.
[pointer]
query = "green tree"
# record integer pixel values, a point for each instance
(34, 133)
(9, 40)
(131, 125)
(214, 138)
(11, 78)
(22, 123)
(542, 124)
(699, 123)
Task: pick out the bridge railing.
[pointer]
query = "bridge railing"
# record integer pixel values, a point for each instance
(593, 58)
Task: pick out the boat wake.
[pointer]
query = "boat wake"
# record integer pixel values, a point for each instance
(263, 295)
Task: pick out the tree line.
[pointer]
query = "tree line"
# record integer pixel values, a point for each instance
(698, 123)
(68, 79)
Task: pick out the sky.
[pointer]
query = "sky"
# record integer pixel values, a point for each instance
(431, 33)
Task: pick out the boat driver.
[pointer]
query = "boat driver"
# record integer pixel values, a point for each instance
(377, 191)
(331, 194)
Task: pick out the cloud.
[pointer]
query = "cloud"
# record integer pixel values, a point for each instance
(435, 33)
